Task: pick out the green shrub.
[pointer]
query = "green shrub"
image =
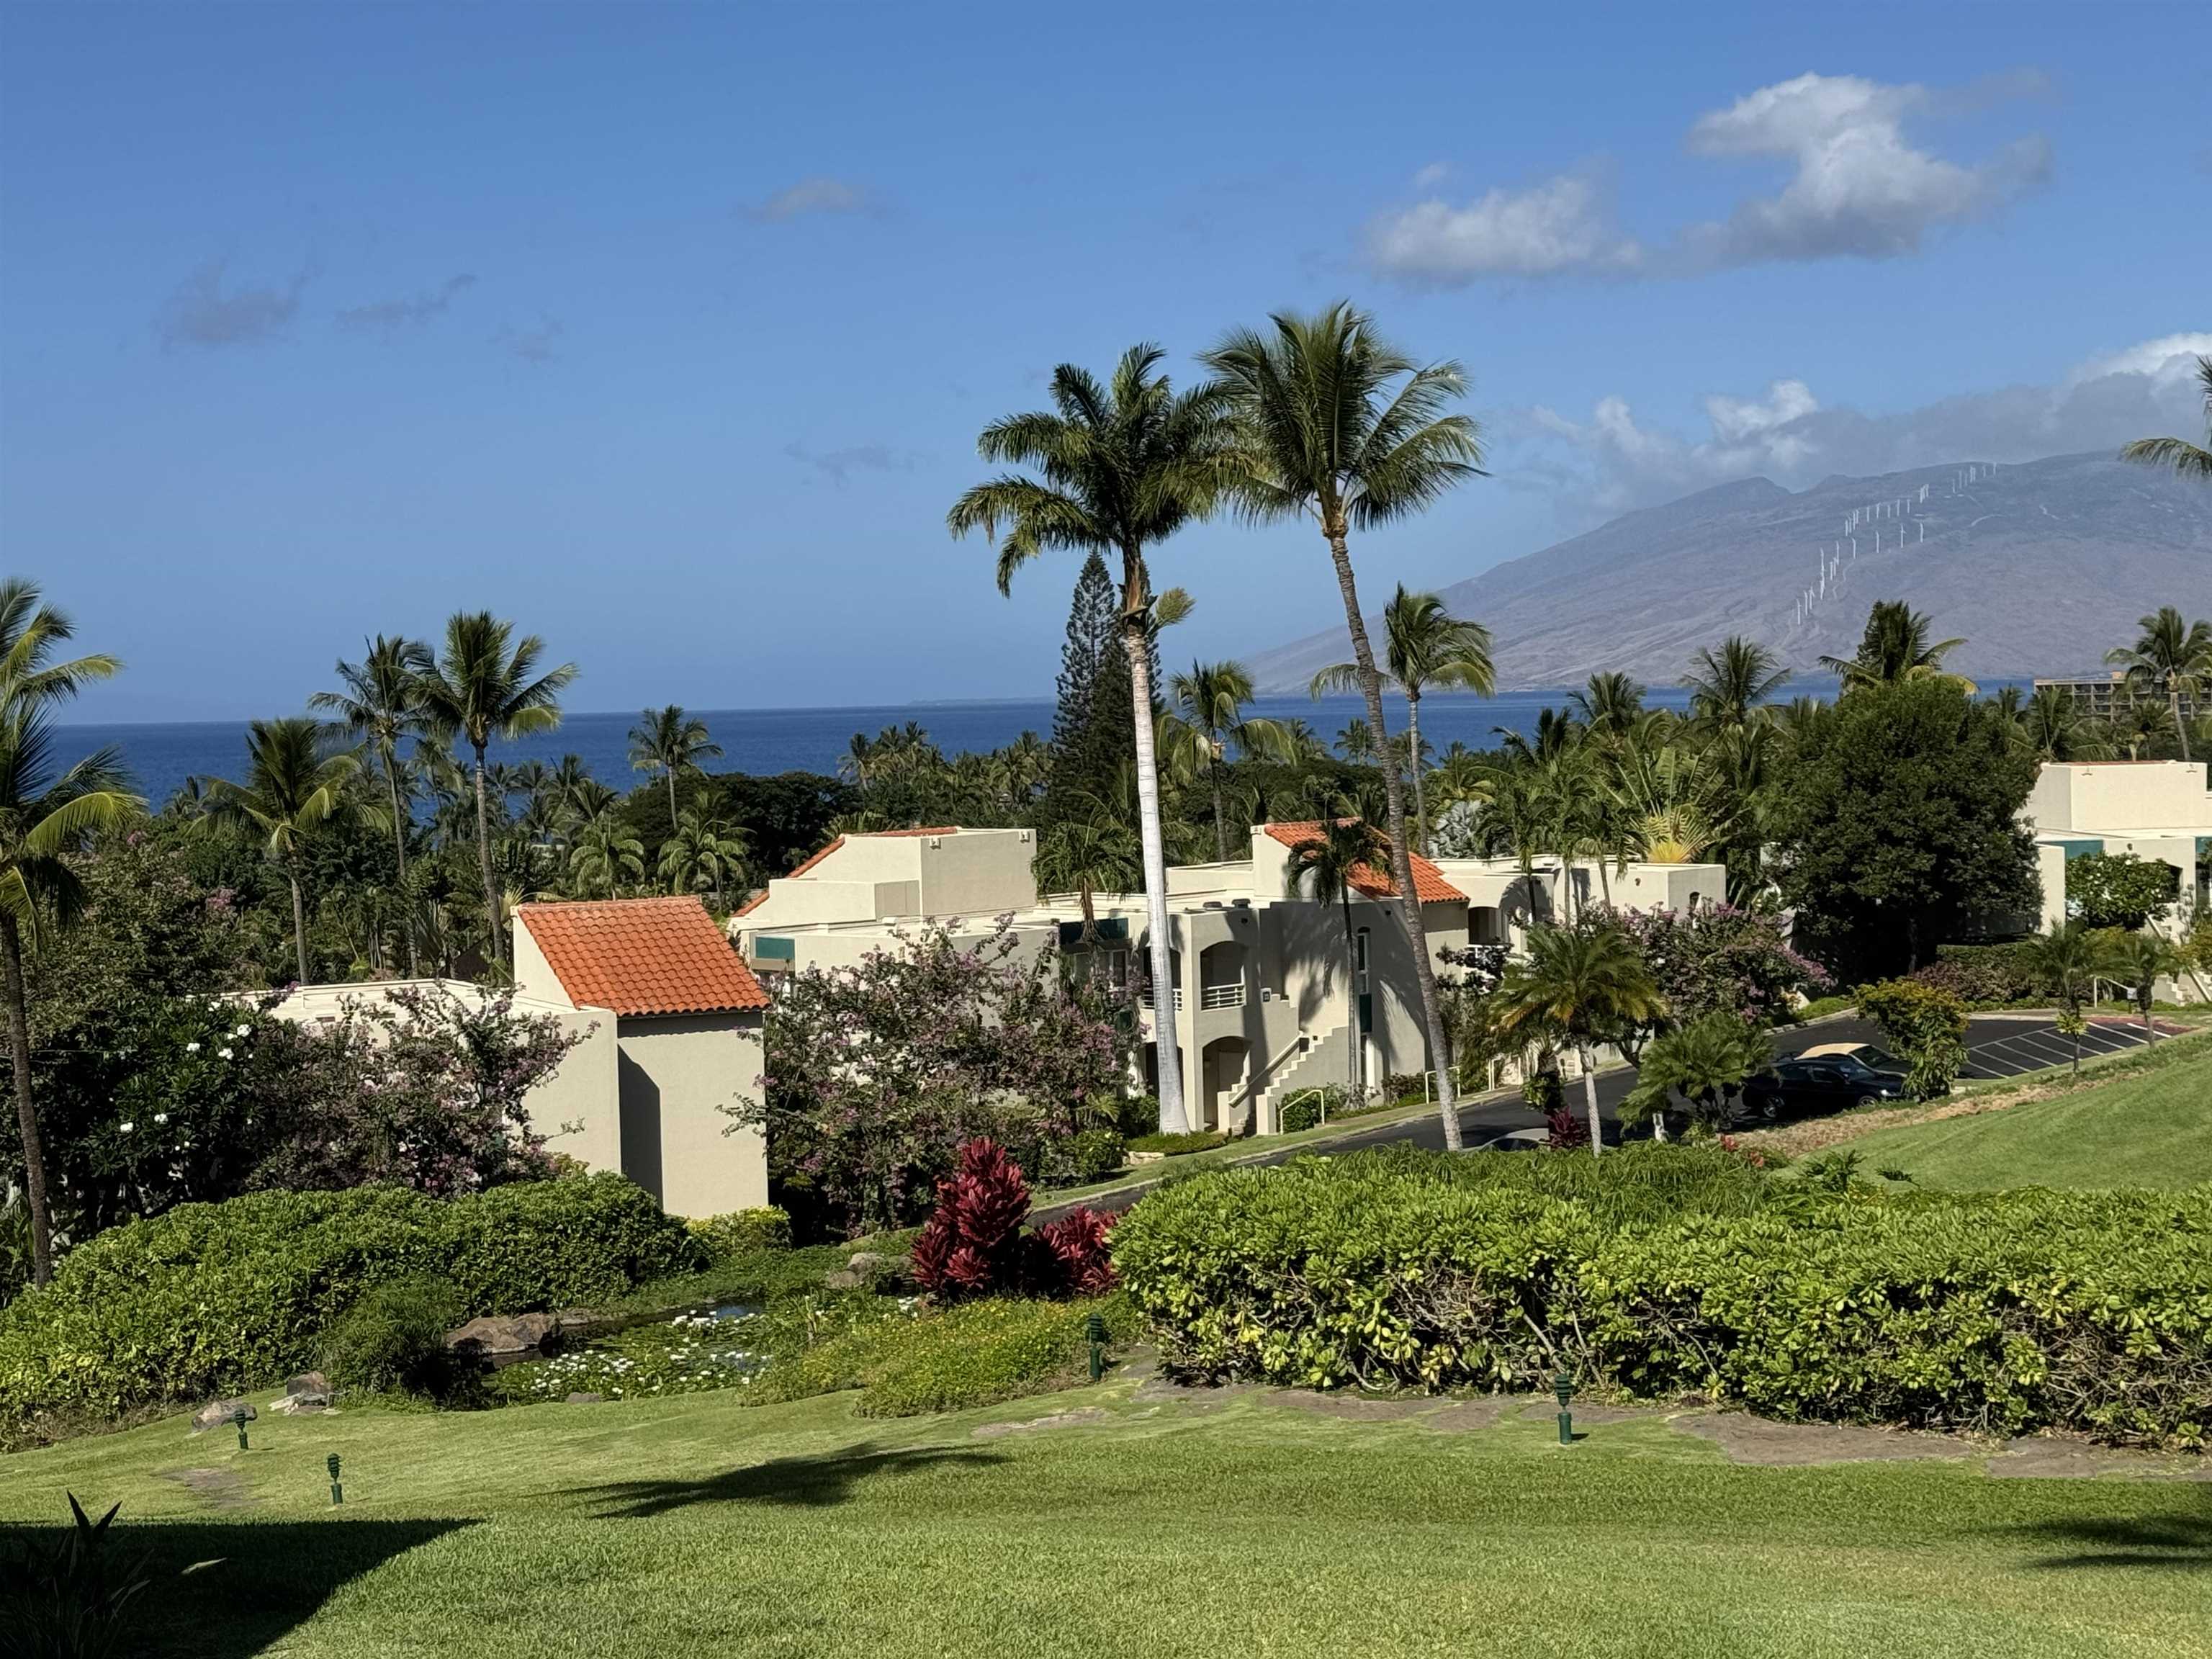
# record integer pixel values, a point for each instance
(743, 1233)
(1301, 1112)
(1194, 1140)
(1925, 1024)
(2006, 972)
(2001, 1312)
(393, 1337)
(1090, 1156)
(1138, 1115)
(211, 1298)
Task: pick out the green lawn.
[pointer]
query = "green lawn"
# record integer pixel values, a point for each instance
(2152, 1127)
(698, 1525)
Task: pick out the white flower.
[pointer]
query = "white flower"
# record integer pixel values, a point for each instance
(224, 1052)
(128, 1128)
(160, 1117)
(191, 1047)
(243, 1030)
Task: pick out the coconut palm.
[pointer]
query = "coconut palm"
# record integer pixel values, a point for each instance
(485, 684)
(1088, 857)
(2050, 723)
(2139, 961)
(46, 810)
(1579, 984)
(1119, 469)
(703, 855)
(671, 743)
(380, 701)
(2170, 659)
(1343, 430)
(1705, 1062)
(1327, 866)
(1727, 682)
(294, 784)
(1424, 645)
(604, 853)
(1895, 647)
(2068, 955)
(1610, 706)
(1204, 715)
(2186, 458)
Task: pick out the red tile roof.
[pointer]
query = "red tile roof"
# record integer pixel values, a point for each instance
(761, 897)
(646, 956)
(1429, 884)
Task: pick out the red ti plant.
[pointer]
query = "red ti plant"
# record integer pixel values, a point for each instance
(973, 1244)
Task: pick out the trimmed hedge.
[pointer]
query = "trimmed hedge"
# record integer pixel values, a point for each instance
(1999, 1312)
(210, 1299)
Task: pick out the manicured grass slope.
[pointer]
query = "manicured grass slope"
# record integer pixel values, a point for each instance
(697, 1525)
(2150, 1128)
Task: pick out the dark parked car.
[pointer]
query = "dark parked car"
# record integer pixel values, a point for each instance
(1815, 1084)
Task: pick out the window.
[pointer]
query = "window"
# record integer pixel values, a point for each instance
(1359, 957)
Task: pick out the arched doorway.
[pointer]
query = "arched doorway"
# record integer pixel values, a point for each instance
(1224, 1101)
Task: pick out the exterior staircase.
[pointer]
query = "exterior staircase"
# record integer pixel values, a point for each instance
(1321, 1063)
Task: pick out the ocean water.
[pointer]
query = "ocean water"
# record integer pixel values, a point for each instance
(161, 756)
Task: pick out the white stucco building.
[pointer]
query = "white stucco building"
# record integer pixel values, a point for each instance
(2156, 810)
(1262, 1009)
(668, 1029)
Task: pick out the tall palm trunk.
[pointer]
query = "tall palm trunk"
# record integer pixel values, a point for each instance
(1420, 791)
(1590, 1096)
(483, 864)
(399, 848)
(299, 917)
(1402, 852)
(672, 825)
(1220, 827)
(1174, 1119)
(1353, 1033)
(2173, 703)
(26, 1119)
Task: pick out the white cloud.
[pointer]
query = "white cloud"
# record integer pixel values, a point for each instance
(1609, 463)
(820, 194)
(199, 313)
(1860, 187)
(1562, 224)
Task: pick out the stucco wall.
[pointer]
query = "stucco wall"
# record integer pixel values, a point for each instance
(676, 1074)
(2096, 795)
(977, 872)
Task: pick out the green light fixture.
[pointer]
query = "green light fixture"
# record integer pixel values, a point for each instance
(338, 1491)
(1563, 1390)
(1095, 1328)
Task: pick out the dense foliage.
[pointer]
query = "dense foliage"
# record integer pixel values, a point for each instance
(2118, 889)
(213, 1297)
(2001, 1313)
(1895, 823)
(973, 1244)
(1926, 1025)
(878, 1072)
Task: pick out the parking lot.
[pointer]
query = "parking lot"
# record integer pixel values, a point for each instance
(1997, 1047)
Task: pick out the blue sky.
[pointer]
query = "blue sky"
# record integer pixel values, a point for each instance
(667, 330)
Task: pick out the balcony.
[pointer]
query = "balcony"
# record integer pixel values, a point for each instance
(1145, 997)
(1221, 996)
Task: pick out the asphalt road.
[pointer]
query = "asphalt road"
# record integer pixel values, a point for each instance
(1998, 1045)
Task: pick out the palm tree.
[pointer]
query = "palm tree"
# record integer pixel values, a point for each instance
(1609, 707)
(1728, 682)
(292, 785)
(669, 741)
(2139, 961)
(381, 703)
(1424, 645)
(485, 684)
(703, 853)
(1705, 1062)
(1205, 714)
(44, 812)
(1121, 468)
(1578, 983)
(1087, 857)
(2050, 723)
(1895, 647)
(603, 851)
(1341, 428)
(1326, 867)
(2068, 955)
(2186, 458)
(2170, 658)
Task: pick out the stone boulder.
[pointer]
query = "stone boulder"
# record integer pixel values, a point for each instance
(218, 1412)
(503, 1333)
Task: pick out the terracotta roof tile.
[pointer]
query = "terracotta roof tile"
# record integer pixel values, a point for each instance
(646, 956)
(1430, 885)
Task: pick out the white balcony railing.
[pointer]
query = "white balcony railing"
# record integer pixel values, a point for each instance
(1145, 996)
(1222, 996)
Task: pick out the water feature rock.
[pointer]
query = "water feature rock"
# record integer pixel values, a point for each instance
(503, 1333)
(216, 1412)
(308, 1382)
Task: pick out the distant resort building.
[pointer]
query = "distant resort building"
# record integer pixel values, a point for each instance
(2154, 808)
(2103, 695)
(1261, 1011)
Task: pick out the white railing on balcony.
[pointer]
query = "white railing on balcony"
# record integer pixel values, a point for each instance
(1222, 996)
(1145, 996)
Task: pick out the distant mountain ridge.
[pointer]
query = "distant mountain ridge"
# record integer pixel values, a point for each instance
(2042, 565)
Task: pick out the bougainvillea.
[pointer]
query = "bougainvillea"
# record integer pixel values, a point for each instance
(878, 1072)
(1723, 960)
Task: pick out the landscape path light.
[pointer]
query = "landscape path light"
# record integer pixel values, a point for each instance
(1095, 1328)
(1563, 1389)
(338, 1491)
(238, 1418)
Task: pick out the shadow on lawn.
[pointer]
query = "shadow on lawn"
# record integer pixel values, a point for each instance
(2159, 1541)
(228, 1591)
(806, 1482)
